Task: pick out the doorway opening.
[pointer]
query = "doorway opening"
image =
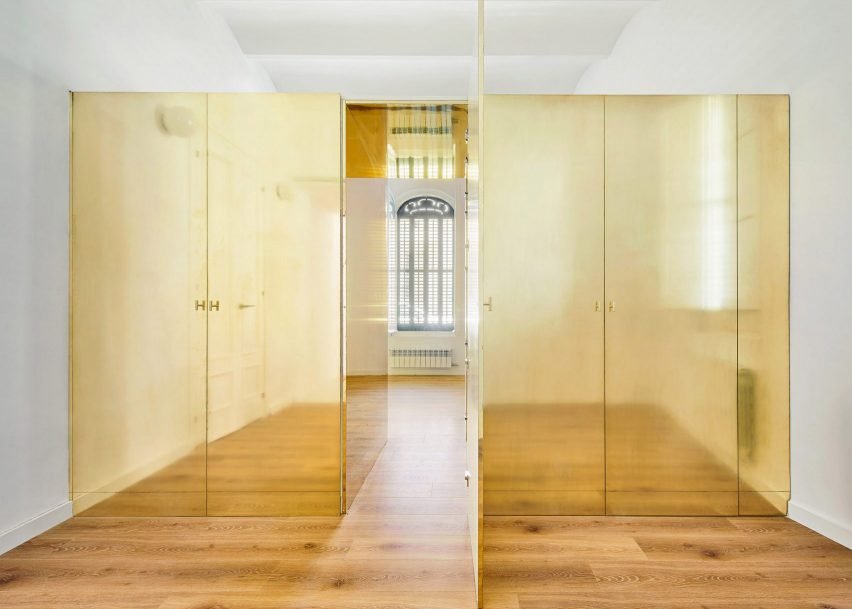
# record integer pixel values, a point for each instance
(405, 334)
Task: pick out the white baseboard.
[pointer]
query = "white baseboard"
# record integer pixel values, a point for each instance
(368, 372)
(827, 527)
(25, 531)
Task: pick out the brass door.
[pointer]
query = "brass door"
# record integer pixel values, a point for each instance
(138, 301)
(155, 429)
(274, 443)
(671, 299)
(763, 303)
(543, 320)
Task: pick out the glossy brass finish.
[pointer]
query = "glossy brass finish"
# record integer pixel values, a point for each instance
(473, 311)
(173, 411)
(274, 369)
(543, 445)
(138, 352)
(696, 251)
(431, 135)
(366, 428)
(763, 303)
(671, 424)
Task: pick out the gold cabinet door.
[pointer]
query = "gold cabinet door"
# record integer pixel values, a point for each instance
(543, 320)
(138, 337)
(763, 303)
(275, 444)
(671, 293)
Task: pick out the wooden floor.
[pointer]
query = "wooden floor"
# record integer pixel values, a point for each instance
(596, 562)
(404, 545)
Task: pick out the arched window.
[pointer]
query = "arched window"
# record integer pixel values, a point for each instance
(425, 251)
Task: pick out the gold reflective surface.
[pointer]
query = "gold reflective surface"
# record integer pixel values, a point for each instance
(138, 413)
(671, 422)
(366, 428)
(474, 473)
(423, 141)
(543, 379)
(206, 299)
(763, 303)
(273, 402)
(695, 306)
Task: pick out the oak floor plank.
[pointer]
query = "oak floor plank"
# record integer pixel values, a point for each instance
(575, 602)
(743, 547)
(335, 599)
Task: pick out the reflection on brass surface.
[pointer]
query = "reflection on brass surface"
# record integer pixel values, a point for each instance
(366, 428)
(144, 504)
(667, 503)
(138, 270)
(473, 378)
(765, 503)
(671, 265)
(274, 369)
(543, 360)
(406, 140)
(697, 349)
(184, 409)
(763, 346)
(544, 503)
(273, 503)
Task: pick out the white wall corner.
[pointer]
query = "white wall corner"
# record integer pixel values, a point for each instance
(37, 525)
(825, 526)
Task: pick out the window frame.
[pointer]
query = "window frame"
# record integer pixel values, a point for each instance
(437, 216)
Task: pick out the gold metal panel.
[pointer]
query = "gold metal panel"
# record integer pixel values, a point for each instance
(543, 414)
(666, 503)
(544, 503)
(472, 299)
(141, 504)
(766, 503)
(428, 136)
(275, 434)
(295, 503)
(138, 234)
(366, 141)
(366, 428)
(671, 339)
(763, 303)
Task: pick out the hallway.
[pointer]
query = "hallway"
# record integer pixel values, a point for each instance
(403, 544)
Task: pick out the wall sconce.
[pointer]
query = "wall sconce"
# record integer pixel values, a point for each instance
(178, 121)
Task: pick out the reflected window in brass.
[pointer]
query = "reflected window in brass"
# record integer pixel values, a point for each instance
(407, 141)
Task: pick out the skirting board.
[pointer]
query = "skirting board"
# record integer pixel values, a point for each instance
(826, 527)
(25, 531)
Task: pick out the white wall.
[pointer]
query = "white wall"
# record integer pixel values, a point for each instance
(48, 47)
(800, 47)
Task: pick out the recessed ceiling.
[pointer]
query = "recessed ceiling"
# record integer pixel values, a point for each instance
(424, 49)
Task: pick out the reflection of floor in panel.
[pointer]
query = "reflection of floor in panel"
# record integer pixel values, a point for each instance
(404, 543)
(284, 463)
(366, 428)
(582, 562)
(553, 459)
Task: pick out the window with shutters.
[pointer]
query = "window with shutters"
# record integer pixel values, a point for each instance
(425, 255)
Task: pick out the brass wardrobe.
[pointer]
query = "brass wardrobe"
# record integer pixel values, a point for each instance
(205, 304)
(635, 328)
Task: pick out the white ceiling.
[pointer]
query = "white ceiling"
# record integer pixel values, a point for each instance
(424, 49)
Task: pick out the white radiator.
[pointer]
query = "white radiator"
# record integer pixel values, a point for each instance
(421, 358)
